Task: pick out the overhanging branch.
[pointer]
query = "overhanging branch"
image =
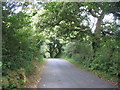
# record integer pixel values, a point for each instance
(93, 14)
(66, 27)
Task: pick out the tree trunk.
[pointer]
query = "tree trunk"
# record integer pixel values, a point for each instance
(98, 25)
(59, 47)
(97, 34)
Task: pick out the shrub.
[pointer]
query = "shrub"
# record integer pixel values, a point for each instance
(14, 79)
(79, 51)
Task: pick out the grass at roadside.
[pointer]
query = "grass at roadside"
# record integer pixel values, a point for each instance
(102, 75)
(33, 79)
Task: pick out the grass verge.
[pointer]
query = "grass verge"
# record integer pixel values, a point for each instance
(103, 75)
(33, 80)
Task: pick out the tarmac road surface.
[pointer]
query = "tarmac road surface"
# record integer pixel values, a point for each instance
(59, 73)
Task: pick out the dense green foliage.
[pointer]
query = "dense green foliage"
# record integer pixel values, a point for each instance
(21, 45)
(105, 60)
(70, 23)
(59, 28)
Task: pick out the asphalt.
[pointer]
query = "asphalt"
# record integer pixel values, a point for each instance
(59, 73)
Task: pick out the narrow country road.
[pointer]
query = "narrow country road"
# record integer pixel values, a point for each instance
(59, 73)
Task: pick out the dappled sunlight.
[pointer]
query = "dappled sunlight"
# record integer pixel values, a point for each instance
(46, 44)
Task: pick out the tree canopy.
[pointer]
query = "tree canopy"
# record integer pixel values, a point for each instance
(57, 29)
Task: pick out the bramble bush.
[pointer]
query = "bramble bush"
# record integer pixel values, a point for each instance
(21, 45)
(105, 59)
